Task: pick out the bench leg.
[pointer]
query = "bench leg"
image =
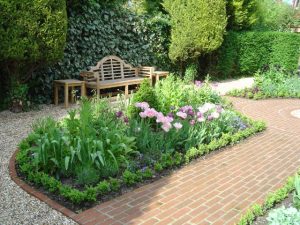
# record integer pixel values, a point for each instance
(55, 94)
(126, 91)
(83, 90)
(66, 96)
(98, 93)
(72, 95)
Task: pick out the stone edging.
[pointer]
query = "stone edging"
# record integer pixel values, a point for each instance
(35, 193)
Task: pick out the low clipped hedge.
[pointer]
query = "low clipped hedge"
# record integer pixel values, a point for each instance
(113, 185)
(273, 198)
(243, 53)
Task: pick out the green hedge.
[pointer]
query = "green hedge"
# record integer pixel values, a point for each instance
(95, 32)
(243, 53)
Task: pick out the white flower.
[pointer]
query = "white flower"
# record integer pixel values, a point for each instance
(215, 115)
(178, 126)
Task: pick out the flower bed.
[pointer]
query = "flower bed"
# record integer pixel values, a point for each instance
(271, 83)
(98, 151)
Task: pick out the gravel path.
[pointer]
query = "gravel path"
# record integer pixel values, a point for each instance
(16, 206)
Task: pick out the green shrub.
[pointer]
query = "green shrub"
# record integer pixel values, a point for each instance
(145, 93)
(129, 178)
(244, 53)
(296, 197)
(87, 175)
(32, 34)
(197, 27)
(191, 73)
(103, 187)
(115, 184)
(242, 14)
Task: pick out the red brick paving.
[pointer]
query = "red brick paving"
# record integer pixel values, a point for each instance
(217, 189)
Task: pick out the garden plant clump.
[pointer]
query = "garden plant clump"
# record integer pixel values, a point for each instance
(273, 82)
(100, 150)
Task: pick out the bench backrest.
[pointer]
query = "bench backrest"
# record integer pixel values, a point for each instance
(113, 68)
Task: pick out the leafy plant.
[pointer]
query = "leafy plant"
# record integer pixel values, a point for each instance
(190, 73)
(86, 175)
(284, 216)
(197, 27)
(296, 197)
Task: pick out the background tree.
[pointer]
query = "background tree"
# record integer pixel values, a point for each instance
(197, 27)
(32, 33)
(242, 14)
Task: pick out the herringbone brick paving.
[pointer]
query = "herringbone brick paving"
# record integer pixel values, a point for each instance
(216, 189)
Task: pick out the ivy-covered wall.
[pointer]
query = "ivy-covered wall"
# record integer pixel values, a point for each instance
(95, 32)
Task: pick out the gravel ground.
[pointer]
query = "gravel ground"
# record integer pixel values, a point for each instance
(16, 206)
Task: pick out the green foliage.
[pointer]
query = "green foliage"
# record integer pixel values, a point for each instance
(272, 83)
(97, 31)
(174, 93)
(115, 184)
(296, 197)
(103, 187)
(242, 14)
(32, 33)
(129, 178)
(145, 94)
(86, 175)
(274, 16)
(197, 27)
(190, 73)
(284, 216)
(244, 53)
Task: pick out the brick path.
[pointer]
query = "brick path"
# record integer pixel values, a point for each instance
(219, 188)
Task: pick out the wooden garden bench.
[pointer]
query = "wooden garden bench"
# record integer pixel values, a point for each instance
(113, 72)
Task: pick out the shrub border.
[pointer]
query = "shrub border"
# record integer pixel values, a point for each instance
(243, 93)
(90, 194)
(270, 201)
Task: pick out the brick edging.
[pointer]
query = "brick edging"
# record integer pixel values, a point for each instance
(36, 193)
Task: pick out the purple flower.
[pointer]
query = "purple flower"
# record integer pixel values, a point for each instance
(171, 115)
(219, 109)
(186, 109)
(190, 112)
(126, 120)
(119, 114)
(199, 114)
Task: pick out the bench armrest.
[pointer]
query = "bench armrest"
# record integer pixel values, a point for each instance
(88, 76)
(146, 71)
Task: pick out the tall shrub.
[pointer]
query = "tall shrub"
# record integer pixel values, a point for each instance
(32, 33)
(242, 14)
(197, 27)
(243, 53)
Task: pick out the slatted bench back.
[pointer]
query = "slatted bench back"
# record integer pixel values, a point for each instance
(114, 68)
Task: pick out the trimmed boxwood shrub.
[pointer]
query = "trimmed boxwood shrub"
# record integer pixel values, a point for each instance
(243, 53)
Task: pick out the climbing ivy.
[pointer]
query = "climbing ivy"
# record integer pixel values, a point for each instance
(95, 32)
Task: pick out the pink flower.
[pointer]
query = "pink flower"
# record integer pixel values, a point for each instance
(178, 126)
(199, 114)
(186, 109)
(219, 109)
(192, 122)
(182, 115)
(163, 119)
(150, 112)
(210, 118)
(142, 105)
(166, 127)
(142, 114)
(198, 83)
